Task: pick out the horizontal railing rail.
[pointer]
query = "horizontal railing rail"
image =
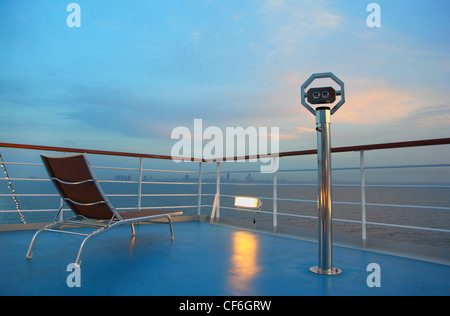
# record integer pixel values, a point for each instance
(139, 181)
(395, 145)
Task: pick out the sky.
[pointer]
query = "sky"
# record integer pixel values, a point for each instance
(136, 69)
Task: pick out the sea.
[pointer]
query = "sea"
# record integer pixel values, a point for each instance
(344, 215)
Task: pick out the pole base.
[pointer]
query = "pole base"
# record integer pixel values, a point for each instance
(332, 271)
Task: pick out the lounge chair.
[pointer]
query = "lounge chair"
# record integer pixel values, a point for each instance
(73, 177)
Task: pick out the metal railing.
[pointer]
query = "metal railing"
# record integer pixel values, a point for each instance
(140, 181)
(200, 182)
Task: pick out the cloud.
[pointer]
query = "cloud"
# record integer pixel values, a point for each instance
(372, 101)
(301, 16)
(196, 36)
(303, 130)
(291, 24)
(326, 20)
(431, 116)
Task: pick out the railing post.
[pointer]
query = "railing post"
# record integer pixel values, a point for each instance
(216, 205)
(61, 204)
(363, 198)
(275, 197)
(200, 179)
(218, 190)
(140, 184)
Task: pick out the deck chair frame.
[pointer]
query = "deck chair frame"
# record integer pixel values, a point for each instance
(99, 226)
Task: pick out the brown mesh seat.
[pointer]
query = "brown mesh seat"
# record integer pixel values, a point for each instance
(76, 183)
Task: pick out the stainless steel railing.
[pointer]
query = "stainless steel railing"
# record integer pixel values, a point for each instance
(363, 204)
(200, 182)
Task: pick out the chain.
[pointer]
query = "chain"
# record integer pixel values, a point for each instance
(12, 190)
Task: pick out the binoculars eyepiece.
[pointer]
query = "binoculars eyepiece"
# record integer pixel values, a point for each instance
(321, 95)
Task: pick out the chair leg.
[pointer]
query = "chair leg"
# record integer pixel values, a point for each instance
(83, 244)
(80, 251)
(171, 227)
(133, 232)
(33, 241)
(89, 237)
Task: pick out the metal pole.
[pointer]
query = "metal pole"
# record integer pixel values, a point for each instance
(200, 179)
(216, 205)
(324, 96)
(363, 197)
(140, 185)
(61, 204)
(275, 197)
(218, 190)
(324, 194)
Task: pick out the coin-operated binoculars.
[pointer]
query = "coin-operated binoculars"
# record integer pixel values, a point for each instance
(322, 99)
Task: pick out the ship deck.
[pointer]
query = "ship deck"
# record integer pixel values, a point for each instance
(204, 260)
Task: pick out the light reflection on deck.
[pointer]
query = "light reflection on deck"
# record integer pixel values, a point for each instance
(244, 259)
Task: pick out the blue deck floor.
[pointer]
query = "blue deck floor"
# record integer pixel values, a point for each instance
(203, 260)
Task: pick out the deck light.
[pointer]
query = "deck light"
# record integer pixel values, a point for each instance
(248, 202)
(323, 98)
